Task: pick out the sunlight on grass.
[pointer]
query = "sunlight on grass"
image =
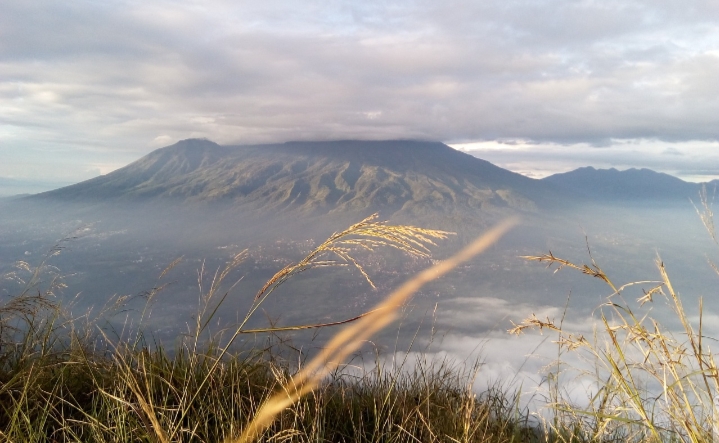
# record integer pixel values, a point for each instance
(653, 383)
(66, 378)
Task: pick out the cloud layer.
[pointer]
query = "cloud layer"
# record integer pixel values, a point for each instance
(696, 161)
(89, 86)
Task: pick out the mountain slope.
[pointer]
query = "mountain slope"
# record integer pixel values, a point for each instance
(407, 177)
(629, 185)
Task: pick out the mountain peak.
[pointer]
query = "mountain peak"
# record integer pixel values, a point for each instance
(415, 178)
(192, 143)
(186, 155)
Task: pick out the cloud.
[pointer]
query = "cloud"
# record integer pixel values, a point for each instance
(161, 140)
(689, 160)
(672, 151)
(523, 362)
(476, 331)
(112, 77)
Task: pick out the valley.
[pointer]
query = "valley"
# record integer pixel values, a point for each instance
(205, 203)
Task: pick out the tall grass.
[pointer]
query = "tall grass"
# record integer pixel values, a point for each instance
(349, 340)
(651, 383)
(63, 379)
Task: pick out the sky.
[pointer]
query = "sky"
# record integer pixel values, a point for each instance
(536, 86)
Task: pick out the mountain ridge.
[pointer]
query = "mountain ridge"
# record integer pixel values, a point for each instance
(396, 177)
(632, 184)
(404, 180)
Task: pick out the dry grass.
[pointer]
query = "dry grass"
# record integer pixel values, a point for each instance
(652, 383)
(64, 380)
(349, 340)
(368, 235)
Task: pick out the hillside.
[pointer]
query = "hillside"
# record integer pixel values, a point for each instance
(601, 185)
(399, 178)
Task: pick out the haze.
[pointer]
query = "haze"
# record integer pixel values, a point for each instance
(122, 252)
(205, 202)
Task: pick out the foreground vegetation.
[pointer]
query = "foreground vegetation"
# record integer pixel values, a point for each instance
(65, 379)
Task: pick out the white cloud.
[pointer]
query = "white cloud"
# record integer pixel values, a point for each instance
(691, 160)
(161, 140)
(109, 77)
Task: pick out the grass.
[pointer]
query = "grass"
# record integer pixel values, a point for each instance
(651, 383)
(64, 379)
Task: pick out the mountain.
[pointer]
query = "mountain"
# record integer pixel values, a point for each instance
(398, 178)
(645, 185)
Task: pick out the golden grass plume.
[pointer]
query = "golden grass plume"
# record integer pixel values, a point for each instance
(348, 340)
(369, 235)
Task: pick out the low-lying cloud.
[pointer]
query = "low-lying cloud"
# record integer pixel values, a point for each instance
(696, 161)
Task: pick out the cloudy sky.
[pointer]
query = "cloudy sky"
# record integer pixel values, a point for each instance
(538, 86)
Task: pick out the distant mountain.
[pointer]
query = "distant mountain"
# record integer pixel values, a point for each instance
(14, 187)
(604, 185)
(399, 178)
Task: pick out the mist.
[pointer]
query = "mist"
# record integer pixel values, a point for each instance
(118, 250)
